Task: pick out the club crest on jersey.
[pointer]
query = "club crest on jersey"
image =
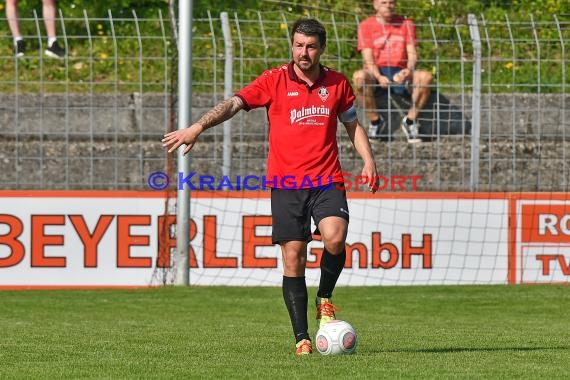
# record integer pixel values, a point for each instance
(323, 93)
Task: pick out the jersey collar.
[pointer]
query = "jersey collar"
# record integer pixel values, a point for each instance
(295, 78)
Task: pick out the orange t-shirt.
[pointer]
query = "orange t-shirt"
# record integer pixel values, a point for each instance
(387, 41)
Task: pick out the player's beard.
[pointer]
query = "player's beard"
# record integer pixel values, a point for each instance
(306, 65)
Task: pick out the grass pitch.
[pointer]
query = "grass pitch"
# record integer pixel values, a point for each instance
(435, 332)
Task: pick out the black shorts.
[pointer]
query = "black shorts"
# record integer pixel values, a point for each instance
(292, 211)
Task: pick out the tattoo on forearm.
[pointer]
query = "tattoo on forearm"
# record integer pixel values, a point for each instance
(220, 113)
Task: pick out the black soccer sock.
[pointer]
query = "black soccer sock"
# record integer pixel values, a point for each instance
(296, 299)
(376, 122)
(331, 267)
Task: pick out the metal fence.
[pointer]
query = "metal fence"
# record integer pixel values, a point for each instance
(497, 117)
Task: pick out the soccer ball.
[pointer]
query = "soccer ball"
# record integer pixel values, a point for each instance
(336, 338)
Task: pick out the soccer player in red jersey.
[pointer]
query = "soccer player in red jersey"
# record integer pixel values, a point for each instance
(387, 42)
(304, 100)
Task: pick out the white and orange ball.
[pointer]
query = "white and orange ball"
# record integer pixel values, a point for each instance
(336, 338)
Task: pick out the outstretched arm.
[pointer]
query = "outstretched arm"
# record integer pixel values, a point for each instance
(359, 139)
(217, 115)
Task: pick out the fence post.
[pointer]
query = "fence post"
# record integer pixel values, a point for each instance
(563, 99)
(184, 119)
(228, 87)
(476, 101)
(438, 100)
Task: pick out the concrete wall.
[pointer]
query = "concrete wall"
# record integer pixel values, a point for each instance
(104, 115)
(113, 142)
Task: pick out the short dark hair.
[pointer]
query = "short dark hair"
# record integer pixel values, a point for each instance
(310, 27)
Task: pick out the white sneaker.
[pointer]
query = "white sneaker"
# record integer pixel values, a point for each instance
(411, 131)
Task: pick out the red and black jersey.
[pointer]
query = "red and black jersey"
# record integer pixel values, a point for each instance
(303, 150)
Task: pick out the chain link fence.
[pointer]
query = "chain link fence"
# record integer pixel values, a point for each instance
(496, 121)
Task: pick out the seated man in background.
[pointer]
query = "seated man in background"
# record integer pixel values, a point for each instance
(387, 42)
